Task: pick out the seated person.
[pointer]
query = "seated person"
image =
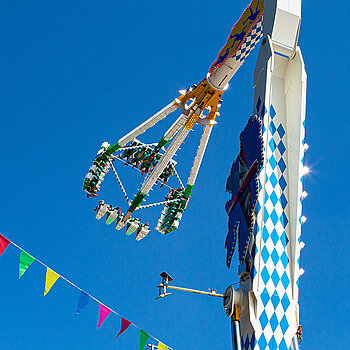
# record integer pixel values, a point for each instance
(168, 171)
(147, 163)
(130, 151)
(138, 156)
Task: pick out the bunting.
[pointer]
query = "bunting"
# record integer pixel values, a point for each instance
(82, 302)
(104, 312)
(143, 339)
(26, 260)
(4, 242)
(51, 278)
(162, 346)
(123, 326)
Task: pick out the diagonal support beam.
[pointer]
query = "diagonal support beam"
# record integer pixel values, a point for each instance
(171, 107)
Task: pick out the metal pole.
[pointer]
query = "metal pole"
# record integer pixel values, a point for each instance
(196, 291)
(295, 343)
(236, 331)
(236, 335)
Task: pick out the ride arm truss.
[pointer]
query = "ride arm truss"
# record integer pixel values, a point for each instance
(171, 107)
(198, 104)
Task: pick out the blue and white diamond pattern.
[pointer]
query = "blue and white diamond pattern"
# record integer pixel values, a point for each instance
(301, 186)
(248, 342)
(273, 280)
(249, 43)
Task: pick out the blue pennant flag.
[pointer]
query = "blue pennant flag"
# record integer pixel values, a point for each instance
(82, 302)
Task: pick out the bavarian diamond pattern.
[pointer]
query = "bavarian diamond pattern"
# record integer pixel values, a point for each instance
(247, 342)
(272, 268)
(252, 39)
(276, 280)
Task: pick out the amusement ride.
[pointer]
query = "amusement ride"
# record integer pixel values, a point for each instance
(265, 182)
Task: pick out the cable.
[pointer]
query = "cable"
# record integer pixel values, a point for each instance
(177, 176)
(158, 203)
(123, 161)
(91, 296)
(120, 183)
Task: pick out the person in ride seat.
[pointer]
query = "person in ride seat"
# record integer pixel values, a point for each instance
(93, 186)
(99, 205)
(106, 168)
(169, 196)
(138, 156)
(168, 171)
(131, 158)
(146, 225)
(128, 152)
(147, 163)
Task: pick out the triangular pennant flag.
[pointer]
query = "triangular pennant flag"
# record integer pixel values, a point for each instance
(82, 302)
(25, 260)
(51, 278)
(143, 339)
(104, 312)
(162, 346)
(4, 242)
(123, 326)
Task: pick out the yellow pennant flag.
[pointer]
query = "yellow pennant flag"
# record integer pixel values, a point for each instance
(162, 346)
(51, 278)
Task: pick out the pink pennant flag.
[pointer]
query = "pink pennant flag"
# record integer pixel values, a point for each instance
(123, 327)
(104, 312)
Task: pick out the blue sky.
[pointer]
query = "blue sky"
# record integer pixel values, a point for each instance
(77, 73)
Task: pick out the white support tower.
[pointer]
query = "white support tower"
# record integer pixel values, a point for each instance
(270, 315)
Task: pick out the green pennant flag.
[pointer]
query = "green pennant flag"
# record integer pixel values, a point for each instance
(25, 260)
(143, 339)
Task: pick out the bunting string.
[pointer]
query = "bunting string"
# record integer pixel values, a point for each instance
(51, 277)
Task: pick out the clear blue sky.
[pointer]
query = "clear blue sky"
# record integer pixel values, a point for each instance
(76, 73)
